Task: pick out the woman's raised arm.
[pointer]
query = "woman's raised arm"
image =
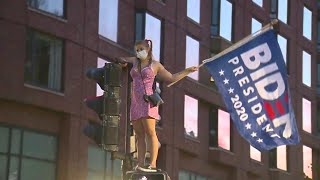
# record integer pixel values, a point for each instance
(124, 60)
(166, 76)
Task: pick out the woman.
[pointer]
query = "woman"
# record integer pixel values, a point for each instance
(144, 116)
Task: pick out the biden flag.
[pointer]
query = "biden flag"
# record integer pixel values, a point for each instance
(253, 82)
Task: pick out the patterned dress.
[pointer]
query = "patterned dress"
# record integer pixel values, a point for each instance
(139, 108)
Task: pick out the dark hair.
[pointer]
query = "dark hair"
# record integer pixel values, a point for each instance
(146, 44)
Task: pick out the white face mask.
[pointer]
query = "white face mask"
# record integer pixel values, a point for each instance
(142, 54)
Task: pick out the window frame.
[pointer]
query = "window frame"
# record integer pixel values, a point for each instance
(143, 14)
(143, 33)
(274, 10)
(31, 35)
(304, 99)
(305, 7)
(310, 69)
(184, 117)
(253, 149)
(273, 159)
(216, 16)
(191, 18)
(287, 62)
(214, 123)
(288, 11)
(104, 36)
(20, 155)
(64, 9)
(303, 158)
(198, 62)
(253, 1)
(190, 174)
(112, 161)
(254, 18)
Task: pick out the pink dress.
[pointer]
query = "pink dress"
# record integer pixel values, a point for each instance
(140, 108)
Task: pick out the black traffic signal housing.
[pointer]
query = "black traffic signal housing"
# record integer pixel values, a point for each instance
(106, 106)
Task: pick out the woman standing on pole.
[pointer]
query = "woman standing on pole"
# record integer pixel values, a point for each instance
(143, 116)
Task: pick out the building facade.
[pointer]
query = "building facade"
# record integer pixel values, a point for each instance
(46, 47)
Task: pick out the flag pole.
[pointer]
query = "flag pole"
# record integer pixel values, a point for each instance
(242, 41)
(236, 45)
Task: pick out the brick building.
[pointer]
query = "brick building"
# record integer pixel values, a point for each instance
(46, 46)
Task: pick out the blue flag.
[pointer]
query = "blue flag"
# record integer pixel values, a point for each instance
(253, 82)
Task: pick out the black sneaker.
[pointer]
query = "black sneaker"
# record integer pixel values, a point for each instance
(147, 168)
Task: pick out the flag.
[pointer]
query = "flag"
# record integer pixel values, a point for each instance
(253, 82)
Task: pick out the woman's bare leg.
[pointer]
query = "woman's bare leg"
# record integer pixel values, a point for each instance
(140, 133)
(150, 130)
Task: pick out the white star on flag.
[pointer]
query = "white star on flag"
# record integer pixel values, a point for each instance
(253, 134)
(260, 140)
(248, 126)
(231, 90)
(221, 72)
(226, 81)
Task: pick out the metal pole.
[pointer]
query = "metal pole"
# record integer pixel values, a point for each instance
(127, 161)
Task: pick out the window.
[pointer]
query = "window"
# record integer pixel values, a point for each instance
(21, 155)
(224, 129)
(258, 2)
(44, 63)
(279, 9)
(149, 27)
(219, 129)
(306, 69)
(101, 166)
(226, 20)
(283, 46)
(255, 154)
(307, 161)
(306, 115)
(186, 175)
(282, 157)
(273, 158)
(192, 55)
(222, 12)
(278, 158)
(108, 19)
(283, 10)
(193, 10)
(54, 7)
(307, 23)
(153, 32)
(190, 116)
(255, 25)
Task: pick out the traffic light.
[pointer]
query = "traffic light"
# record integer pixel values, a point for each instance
(106, 106)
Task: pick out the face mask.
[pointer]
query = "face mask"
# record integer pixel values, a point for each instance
(142, 54)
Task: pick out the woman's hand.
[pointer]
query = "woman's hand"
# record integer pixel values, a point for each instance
(121, 61)
(192, 69)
